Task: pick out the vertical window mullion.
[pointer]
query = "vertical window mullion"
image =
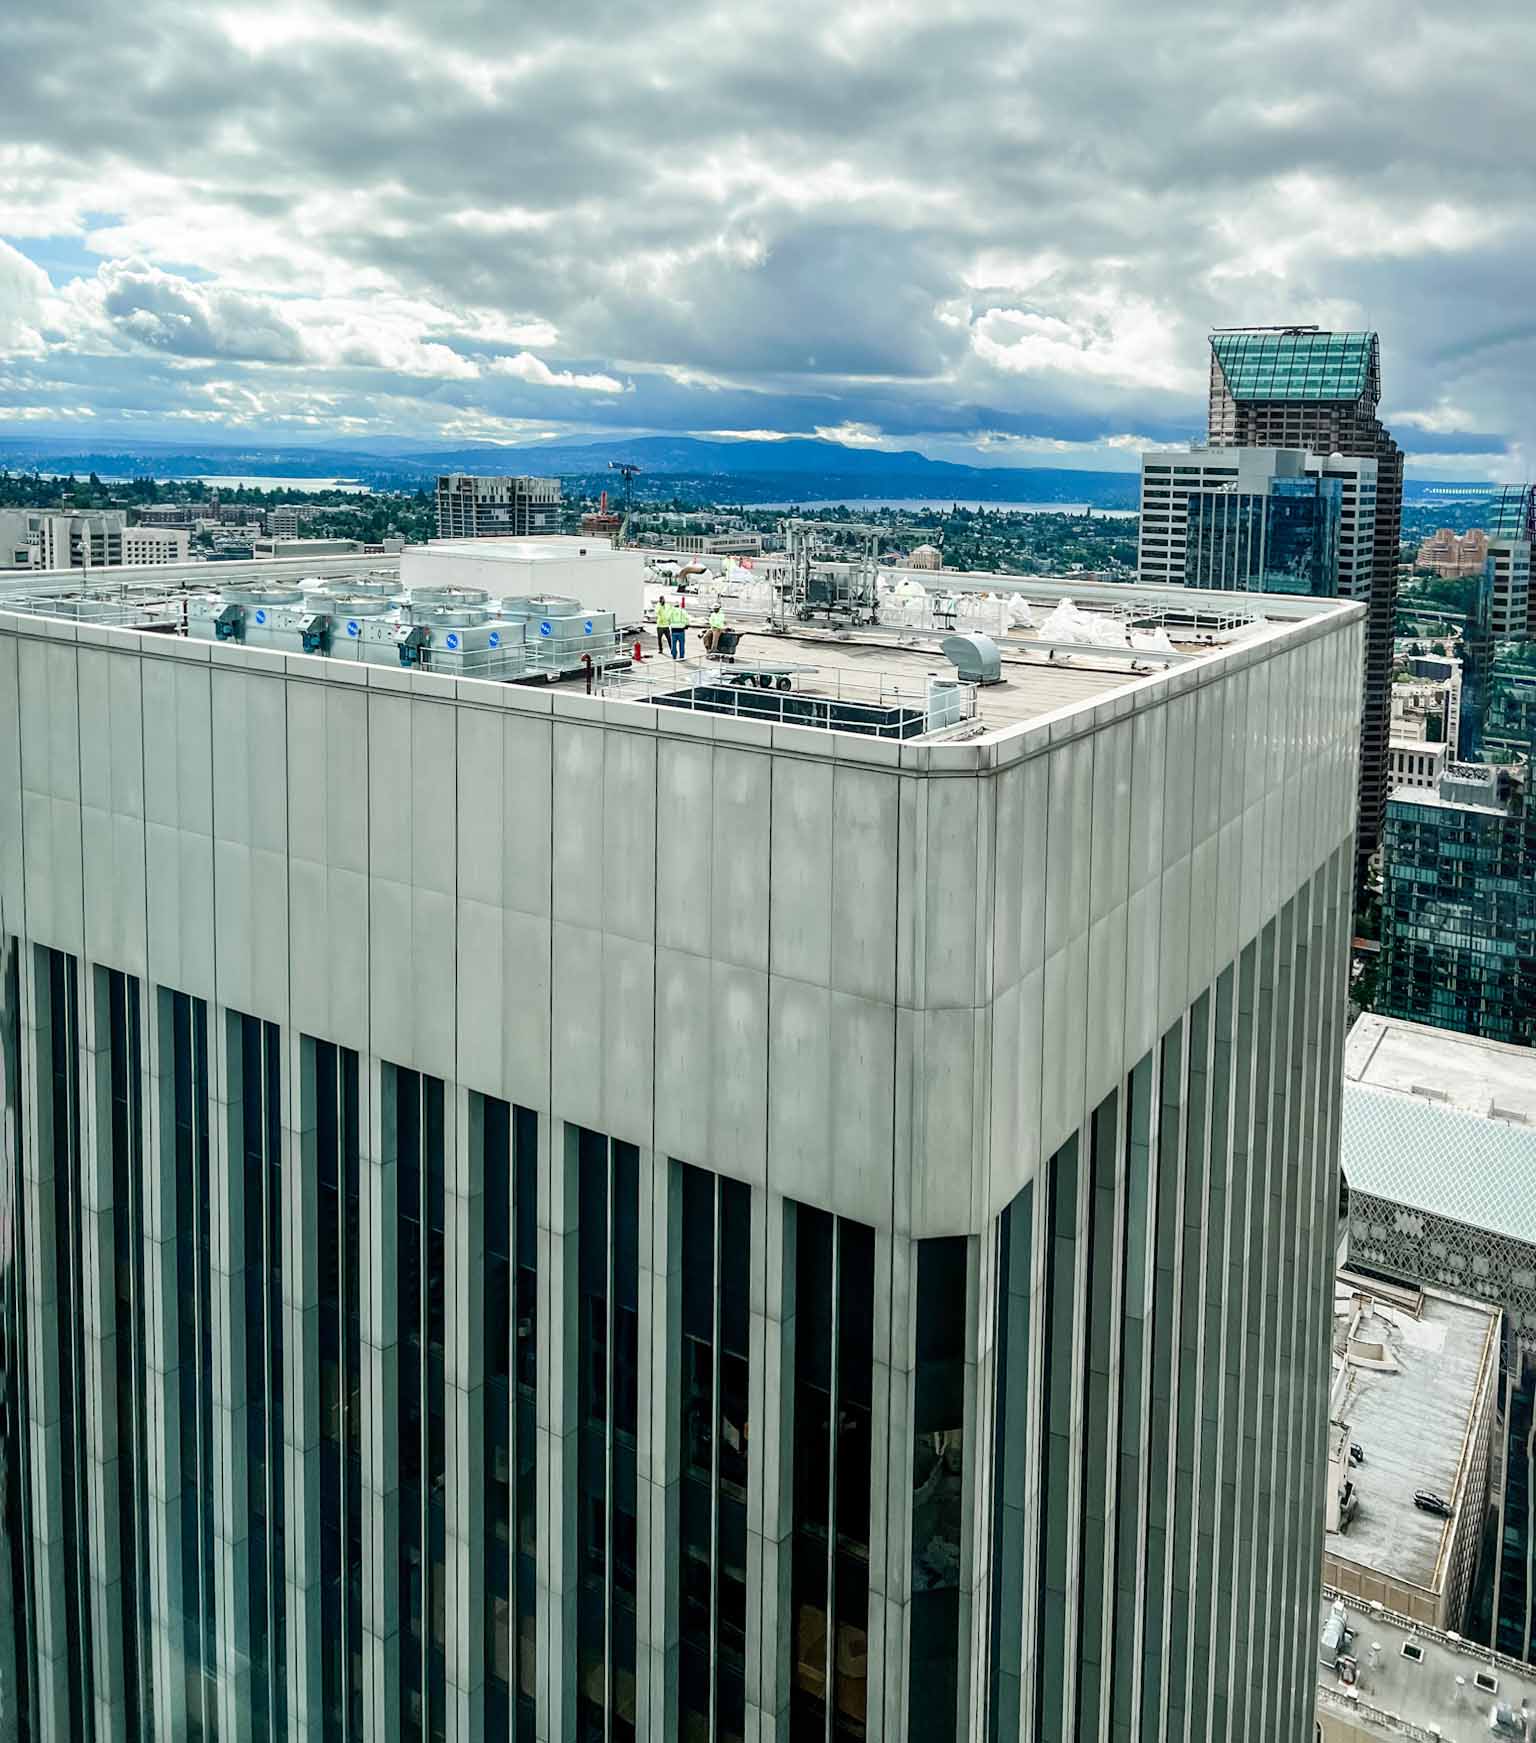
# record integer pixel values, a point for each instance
(73, 1329)
(833, 1319)
(610, 1311)
(714, 1466)
(424, 1359)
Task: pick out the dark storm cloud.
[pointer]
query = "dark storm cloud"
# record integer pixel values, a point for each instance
(944, 223)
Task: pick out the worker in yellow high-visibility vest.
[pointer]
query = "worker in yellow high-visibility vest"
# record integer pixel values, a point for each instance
(663, 627)
(715, 631)
(677, 623)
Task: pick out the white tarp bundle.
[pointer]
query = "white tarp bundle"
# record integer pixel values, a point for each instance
(1089, 628)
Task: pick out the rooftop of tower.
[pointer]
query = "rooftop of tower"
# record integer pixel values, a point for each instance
(1080, 644)
(1295, 363)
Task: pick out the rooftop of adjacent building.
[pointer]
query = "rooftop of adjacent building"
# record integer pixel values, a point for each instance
(493, 484)
(1437, 1693)
(1441, 1122)
(1482, 788)
(1040, 678)
(1408, 1385)
(1257, 462)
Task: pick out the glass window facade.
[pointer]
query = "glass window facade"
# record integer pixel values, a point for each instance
(119, 1022)
(414, 1138)
(330, 1121)
(1458, 914)
(1010, 1464)
(1164, 1355)
(509, 1137)
(184, 1043)
(608, 1359)
(834, 1375)
(716, 1231)
(1296, 365)
(255, 1051)
(18, 1710)
(58, 1079)
(1052, 1719)
(938, 1483)
(1135, 1319)
(1282, 541)
(1095, 1582)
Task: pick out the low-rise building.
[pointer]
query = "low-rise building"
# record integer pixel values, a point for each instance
(168, 514)
(1426, 700)
(1383, 1678)
(1451, 554)
(1412, 762)
(94, 539)
(155, 544)
(1439, 1150)
(1411, 1412)
(1438, 1142)
(270, 547)
(719, 544)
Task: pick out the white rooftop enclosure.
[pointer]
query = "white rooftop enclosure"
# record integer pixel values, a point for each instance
(590, 570)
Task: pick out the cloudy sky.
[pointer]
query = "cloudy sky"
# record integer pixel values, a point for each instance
(990, 232)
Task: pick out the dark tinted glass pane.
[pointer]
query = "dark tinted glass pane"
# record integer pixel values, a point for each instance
(938, 1465)
(810, 1572)
(854, 1453)
(1010, 1464)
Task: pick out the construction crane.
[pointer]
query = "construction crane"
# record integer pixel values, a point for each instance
(626, 469)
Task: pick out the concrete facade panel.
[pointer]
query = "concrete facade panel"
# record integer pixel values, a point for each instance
(890, 989)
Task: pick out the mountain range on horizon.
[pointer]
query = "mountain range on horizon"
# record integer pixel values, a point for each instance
(742, 470)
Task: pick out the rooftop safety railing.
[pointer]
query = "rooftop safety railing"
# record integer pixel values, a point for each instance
(117, 608)
(872, 702)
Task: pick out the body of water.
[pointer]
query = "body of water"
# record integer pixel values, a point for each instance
(221, 482)
(350, 485)
(915, 505)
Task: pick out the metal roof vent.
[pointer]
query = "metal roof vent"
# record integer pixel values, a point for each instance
(344, 603)
(523, 607)
(975, 658)
(265, 595)
(450, 598)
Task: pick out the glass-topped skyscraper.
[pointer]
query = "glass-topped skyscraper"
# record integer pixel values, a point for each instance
(1299, 387)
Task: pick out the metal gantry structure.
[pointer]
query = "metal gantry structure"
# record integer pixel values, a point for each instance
(831, 571)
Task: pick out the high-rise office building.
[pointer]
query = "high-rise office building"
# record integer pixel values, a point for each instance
(1458, 904)
(1298, 387)
(469, 507)
(1275, 520)
(527, 1214)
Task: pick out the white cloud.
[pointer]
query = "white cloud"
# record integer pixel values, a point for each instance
(24, 292)
(853, 435)
(897, 222)
(1440, 420)
(534, 370)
